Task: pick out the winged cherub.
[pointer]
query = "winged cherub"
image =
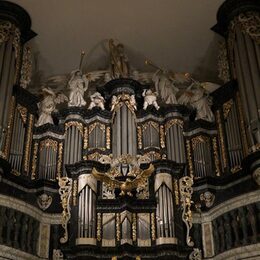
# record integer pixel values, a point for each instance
(125, 186)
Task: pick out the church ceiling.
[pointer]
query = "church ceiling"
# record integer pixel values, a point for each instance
(173, 34)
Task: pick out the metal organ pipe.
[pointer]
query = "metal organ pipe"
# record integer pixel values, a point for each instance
(124, 132)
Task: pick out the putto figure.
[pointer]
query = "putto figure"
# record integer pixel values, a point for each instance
(97, 101)
(150, 98)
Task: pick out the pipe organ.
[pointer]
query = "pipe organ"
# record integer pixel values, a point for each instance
(126, 172)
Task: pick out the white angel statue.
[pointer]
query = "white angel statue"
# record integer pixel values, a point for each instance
(150, 98)
(197, 96)
(164, 85)
(97, 101)
(48, 105)
(78, 84)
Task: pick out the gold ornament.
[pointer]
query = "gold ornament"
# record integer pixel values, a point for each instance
(65, 185)
(185, 184)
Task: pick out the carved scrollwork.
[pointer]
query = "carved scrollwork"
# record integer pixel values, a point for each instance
(227, 106)
(199, 139)
(216, 155)
(8, 32)
(189, 157)
(185, 185)
(65, 189)
(28, 143)
(249, 23)
(221, 138)
(172, 122)
(128, 100)
(49, 143)
(77, 124)
(195, 254)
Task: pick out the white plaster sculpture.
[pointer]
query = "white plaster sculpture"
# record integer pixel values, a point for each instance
(164, 85)
(97, 101)
(48, 105)
(78, 84)
(150, 98)
(198, 97)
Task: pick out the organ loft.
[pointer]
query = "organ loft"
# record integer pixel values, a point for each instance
(127, 163)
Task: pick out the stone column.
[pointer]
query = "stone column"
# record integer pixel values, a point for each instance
(239, 23)
(15, 30)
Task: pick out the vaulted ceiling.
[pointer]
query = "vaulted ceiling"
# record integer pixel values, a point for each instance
(174, 34)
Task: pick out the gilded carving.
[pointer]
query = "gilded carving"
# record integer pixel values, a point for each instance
(28, 144)
(189, 157)
(77, 124)
(172, 122)
(49, 143)
(26, 69)
(249, 23)
(223, 63)
(94, 156)
(199, 139)
(236, 168)
(153, 155)
(23, 112)
(118, 101)
(195, 254)
(216, 156)
(176, 191)
(118, 232)
(99, 225)
(185, 184)
(85, 145)
(74, 193)
(9, 31)
(9, 129)
(125, 186)
(162, 136)
(221, 139)
(44, 201)
(59, 164)
(102, 127)
(65, 185)
(34, 160)
(208, 197)
(139, 137)
(15, 172)
(153, 226)
(108, 137)
(242, 125)
(227, 106)
(150, 123)
(134, 224)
